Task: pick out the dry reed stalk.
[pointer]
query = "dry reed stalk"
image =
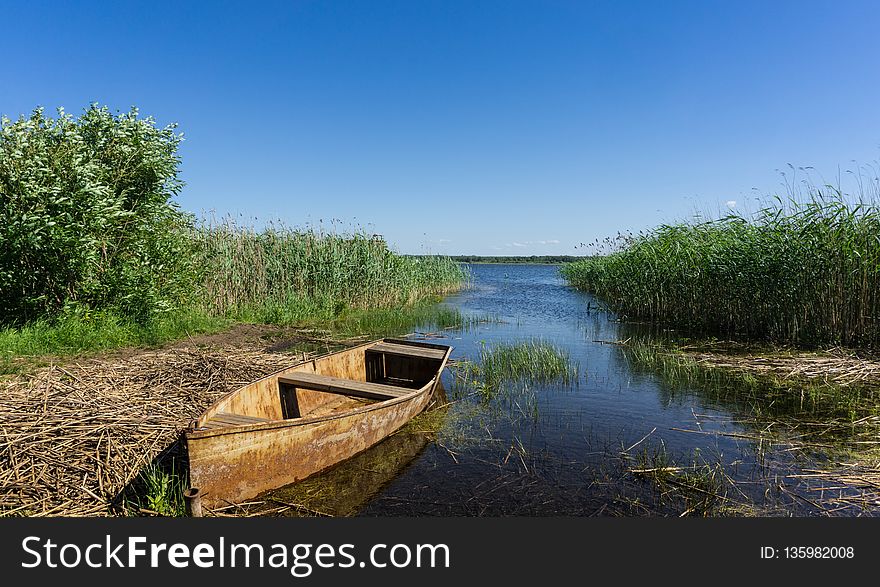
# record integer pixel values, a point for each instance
(73, 437)
(837, 368)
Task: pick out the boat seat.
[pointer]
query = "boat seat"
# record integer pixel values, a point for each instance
(225, 420)
(343, 386)
(405, 350)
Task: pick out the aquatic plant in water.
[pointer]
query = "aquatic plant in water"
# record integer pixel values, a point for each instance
(504, 365)
(804, 271)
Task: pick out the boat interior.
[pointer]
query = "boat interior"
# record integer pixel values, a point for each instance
(370, 373)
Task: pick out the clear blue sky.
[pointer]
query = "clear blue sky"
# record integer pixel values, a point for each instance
(468, 127)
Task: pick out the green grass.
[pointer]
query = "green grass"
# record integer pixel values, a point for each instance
(73, 336)
(804, 271)
(351, 284)
(526, 362)
(157, 490)
(76, 335)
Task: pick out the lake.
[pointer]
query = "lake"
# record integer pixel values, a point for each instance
(629, 438)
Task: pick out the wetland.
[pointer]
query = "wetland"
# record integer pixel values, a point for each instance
(612, 423)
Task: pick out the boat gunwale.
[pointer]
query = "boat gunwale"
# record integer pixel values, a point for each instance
(272, 424)
(196, 433)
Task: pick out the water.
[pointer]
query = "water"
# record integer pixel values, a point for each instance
(573, 450)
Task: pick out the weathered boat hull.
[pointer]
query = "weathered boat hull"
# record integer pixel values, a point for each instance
(236, 463)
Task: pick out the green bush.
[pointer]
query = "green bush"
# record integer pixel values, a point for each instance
(93, 248)
(86, 218)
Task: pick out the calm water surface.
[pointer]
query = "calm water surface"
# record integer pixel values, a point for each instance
(570, 450)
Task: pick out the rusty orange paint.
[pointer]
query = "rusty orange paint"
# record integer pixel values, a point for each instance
(243, 445)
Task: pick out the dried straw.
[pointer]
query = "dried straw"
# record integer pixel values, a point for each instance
(835, 367)
(73, 436)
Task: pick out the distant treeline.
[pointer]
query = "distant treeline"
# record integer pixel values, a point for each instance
(537, 259)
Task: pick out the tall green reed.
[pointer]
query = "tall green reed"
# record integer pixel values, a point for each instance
(801, 271)
(285, 274)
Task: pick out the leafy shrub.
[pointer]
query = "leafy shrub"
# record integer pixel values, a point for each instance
(86, 218)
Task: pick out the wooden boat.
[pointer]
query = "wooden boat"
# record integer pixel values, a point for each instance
(308, 417)
(345, 489)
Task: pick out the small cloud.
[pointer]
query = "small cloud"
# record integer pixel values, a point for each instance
(519, 245)
(731, 204)
(444, 241)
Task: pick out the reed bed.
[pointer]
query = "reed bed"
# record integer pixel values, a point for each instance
(834, 368)
(284, 274)
(804, 271)
(848, 488)
(73, 437)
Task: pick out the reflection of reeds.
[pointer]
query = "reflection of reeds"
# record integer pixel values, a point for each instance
(763, 393)
(427, 315)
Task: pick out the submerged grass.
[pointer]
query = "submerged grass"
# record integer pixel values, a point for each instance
(815, 441)
(802, 271)
(697, 489)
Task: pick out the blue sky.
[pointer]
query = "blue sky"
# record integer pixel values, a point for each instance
(469, 127)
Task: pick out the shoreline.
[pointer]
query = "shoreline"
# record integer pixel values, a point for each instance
(79, 433)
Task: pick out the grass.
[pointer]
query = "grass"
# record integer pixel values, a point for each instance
(526, 362)
(157, 491)
(74, 335)
(352, 284)
(23, 348)
(803, 271)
